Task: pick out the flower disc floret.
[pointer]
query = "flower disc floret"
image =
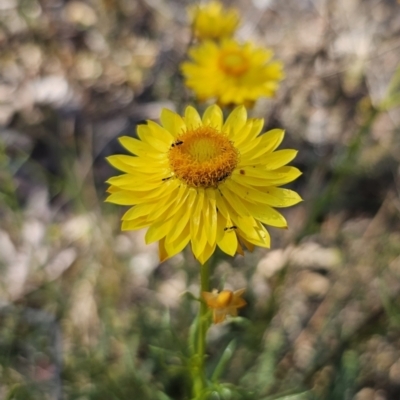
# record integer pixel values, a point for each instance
(203, 157)
(234, 62)
(205, 182)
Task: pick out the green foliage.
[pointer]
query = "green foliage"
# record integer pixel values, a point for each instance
(85, 311)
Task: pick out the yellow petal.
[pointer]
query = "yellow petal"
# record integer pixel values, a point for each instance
(236, 189)
(140, 148)
(199, 242)
(192, 118)
(120, 164)
(249, 145)
(123, 198)
(167, 208)
(131, 197)
(140, 210)
(235, 121)
(275, 197)
(195, 218)
(183, 215)
(278, 197)
(238, 301)
(266, 214)
(162, 252)
(177, 245)
(260, 177)
(183, 194)
(113, 189)
(246, 224)
(246, 227)
(224, 298)
(257, 126)
(207, 253)
(221, 225)
(267, 144)
(249, 246)
(213, 117)
(212, 216)
(158, 230)
(219, 316)
(243, 135)
(172, 122)
(228, 243)
(272, 139)
(159, 143)
(138, 223)
(278, 159)
(233, 197)
(210, 298)
(206, 215)
(221, 205)
(131, 164)
(264, 237)
(249, 133)
(160, 133)
(135, 182)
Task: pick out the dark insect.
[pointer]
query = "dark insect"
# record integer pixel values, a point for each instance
(177, 143)
(222, 177)
(228, 228)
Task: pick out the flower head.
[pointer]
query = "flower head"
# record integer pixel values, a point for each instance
(203, 181)
(224, 303)
(213, 21)
(231, 72)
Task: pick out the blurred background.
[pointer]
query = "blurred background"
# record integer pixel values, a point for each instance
(87, 312)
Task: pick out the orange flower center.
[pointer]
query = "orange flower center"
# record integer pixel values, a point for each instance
(233, 62)
(203, 157)
(224, 299)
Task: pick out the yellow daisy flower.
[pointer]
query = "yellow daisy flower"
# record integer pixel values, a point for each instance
(231, 73)
(224, 303)
(204, 181)
(213, 21)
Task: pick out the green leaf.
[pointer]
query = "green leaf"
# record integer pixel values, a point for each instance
(223, 361)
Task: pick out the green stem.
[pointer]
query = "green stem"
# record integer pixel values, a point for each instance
(200, 381)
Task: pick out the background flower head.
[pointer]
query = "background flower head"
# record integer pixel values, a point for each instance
(231, 73)
(224, 303)
(204, 181)
(213, 21)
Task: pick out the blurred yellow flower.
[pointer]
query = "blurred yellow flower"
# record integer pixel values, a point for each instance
(213, 21)
(231, 73)
(224, 303)
(204, 181)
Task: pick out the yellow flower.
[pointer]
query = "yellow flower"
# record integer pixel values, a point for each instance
(231, 73)
(224, 303)
(213, 21)
(204, 181)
